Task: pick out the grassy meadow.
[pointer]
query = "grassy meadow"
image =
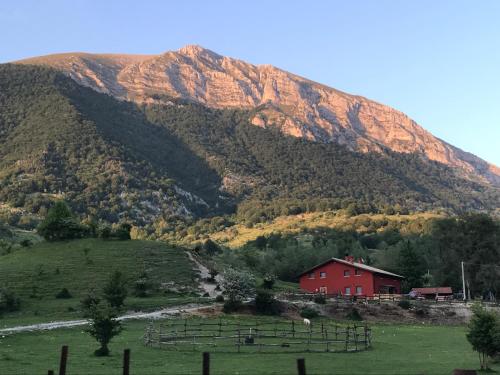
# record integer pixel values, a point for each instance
(36, 274)
(397, 349)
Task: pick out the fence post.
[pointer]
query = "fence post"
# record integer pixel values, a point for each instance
(301, 366)
(126, 362)
(220, 327)
(346, 338)
(185, 327)
(64, 360)
(293, 328)
(206, 363)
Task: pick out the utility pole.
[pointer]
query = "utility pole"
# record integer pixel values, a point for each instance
(463, 282)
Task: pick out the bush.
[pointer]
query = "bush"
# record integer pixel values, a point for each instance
(268, 281)
(89, 300)
(64, 294)
(309, 313)
(404, 304)
(142, 286)
(219, 298)
(231, 306)
(115, 290)
(354, 315)
(320, 299)
(8, 301)
(265, 303)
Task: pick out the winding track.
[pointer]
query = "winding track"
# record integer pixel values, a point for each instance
(158, 314)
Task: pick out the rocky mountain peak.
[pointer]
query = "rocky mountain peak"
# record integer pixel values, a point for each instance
(295, 105)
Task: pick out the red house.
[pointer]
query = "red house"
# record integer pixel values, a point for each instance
(349, 278)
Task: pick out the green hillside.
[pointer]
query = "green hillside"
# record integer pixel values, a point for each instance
(38, 273)
(115, 161)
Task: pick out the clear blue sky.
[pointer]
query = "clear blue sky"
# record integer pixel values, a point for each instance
(437, 61)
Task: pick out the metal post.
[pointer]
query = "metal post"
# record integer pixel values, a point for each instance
(206, 363)
(126, 362)
(463, 282)
(301, 366)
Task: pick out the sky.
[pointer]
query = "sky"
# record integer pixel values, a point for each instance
(437, 61)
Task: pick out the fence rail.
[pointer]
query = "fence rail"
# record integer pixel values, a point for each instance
(258, 337)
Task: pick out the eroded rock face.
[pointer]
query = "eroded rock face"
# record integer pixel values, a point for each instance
(295, 105)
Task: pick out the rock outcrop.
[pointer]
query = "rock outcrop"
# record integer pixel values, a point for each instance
(297, 106)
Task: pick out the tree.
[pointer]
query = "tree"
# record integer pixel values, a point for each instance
(103, 326)
(238, 285)
(115, 290)
(411, 265)
(484, 334)
(60, 224)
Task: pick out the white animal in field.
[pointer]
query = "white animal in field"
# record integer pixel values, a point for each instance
(307, 322)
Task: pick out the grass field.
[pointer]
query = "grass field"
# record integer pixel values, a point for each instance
(397, 349)
(38, 273)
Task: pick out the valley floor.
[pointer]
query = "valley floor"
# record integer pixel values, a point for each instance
(397, 349)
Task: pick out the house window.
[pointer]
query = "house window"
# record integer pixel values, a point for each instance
(347, 291)
(322, 275)
(359, 290)
(347, 273)
(310, 275)
(357, 272)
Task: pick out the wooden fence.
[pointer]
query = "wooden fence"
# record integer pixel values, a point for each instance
(258, 337)
(205, 368)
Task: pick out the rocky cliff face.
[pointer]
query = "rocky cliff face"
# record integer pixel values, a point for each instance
(295, 105)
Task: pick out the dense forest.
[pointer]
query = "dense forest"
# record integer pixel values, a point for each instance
(114, 161)
(427, 252)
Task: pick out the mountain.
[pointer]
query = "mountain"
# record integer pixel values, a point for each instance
(293, 104)
(116, 160)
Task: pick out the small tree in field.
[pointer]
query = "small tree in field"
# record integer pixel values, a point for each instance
(103, 326)
(115, 290)
(484, 334)
(237, 285)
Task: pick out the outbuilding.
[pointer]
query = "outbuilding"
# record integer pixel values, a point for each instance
(347, 277)
(443, 292)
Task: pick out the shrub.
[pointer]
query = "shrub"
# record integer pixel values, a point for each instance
(115, 290)
(64, 294)
(231, 306)
(404, 304)
(122, 232)
(268, 281)
(142, 286)
(89, 300)
(309, 313)
(265, 303)
(354, 315)
(219, 298)
(8, 301)
(320, 299)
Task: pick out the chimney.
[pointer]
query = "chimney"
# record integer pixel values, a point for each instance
(349, 258)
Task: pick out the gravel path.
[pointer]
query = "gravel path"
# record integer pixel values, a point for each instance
(75, 323)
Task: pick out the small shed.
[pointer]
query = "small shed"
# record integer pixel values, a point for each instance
(432, 293)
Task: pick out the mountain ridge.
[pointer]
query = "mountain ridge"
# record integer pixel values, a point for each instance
(295, 105)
